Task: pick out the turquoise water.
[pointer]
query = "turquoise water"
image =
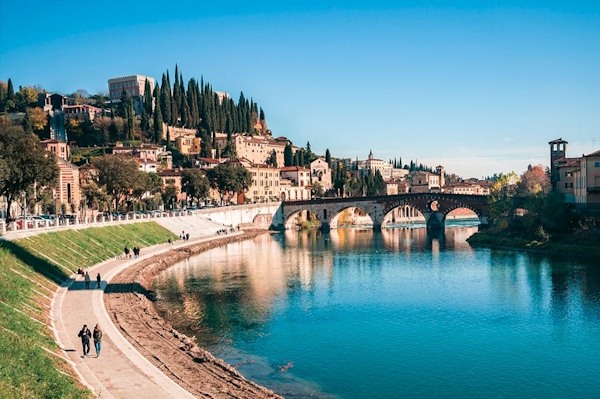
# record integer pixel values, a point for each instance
(392, 314)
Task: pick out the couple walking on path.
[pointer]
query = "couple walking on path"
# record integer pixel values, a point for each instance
(86, 335)
(86, 277)
(135, 250)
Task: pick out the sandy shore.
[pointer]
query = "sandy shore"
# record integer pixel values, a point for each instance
(128, 302)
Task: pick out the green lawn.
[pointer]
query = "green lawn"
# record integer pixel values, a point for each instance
(30, 271)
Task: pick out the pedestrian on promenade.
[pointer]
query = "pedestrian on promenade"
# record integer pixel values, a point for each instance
(136, 252)
(126, 250)
(87, 280)
(98, 279)
(183, 235)
(187, 236)
(97, 339)
(169, 241)
(85, 335)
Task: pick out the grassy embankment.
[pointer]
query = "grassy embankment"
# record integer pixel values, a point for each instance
(31, 269)
(579, 242)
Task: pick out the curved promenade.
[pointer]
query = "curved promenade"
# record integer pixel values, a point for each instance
(120, 371)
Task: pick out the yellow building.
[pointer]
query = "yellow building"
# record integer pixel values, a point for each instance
(188, 144)
(587, 179)
(265, 182)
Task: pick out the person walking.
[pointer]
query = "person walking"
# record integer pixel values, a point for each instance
(126, 250)
(85, 335)
(98, 279)
(97, 339)
(187, 236)
(87, 280)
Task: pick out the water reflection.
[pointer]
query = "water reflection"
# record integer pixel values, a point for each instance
(346, 305)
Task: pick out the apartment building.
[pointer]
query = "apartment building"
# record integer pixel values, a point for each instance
(587, 179)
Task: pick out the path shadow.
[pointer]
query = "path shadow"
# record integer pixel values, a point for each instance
(79, 285)
(40, 265)
(126, 288)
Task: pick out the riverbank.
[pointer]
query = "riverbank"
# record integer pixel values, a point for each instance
(35, 361)
(584, 243)
(128, 300)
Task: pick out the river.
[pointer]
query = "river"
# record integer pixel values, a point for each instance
(393, 314)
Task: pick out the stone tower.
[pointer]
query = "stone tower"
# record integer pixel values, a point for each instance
(440, 171)
(558, 150)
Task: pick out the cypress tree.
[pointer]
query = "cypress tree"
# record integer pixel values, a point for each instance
(192, 102)
(165, 99)
(248, 117)
(186, 118)
(1, 97)
(262, 114)
(158, 121)
(328, 157)
(27, 124)
(145, 122)
(148, 98)
(10, 91)
(288, 155)
(175, 100)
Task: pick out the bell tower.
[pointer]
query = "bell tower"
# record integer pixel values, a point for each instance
(558, 150)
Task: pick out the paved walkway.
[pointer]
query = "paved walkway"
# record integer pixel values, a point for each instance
(120, 371)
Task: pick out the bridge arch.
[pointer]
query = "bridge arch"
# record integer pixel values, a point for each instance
(334, 222)
(404, 213)
(292, 221)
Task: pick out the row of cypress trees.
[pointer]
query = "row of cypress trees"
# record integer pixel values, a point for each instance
(197, 105)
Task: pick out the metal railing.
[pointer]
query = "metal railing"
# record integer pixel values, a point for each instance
(23, 225)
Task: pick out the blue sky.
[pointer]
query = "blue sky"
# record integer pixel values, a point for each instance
(479, 87)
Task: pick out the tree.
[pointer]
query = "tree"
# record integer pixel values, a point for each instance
(39, 119)
(318, 190)
(145, 121)
(10, 96)
(165, 98)
(158, 119)
(229, 178)
(148, 98)
(169, 195)
(27, 125)
(555, 216)
(229, 151)
(195, 185)
(272, 160)
(24, 163)
(534, 182)
(95, 197)
(26, 97)
(500, 205)
(117, 175)
(128, 114)
(288, 155)
(328, 157)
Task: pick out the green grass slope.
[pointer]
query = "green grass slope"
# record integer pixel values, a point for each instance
(31, 269)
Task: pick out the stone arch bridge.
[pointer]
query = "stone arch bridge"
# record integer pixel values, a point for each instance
(434, 208)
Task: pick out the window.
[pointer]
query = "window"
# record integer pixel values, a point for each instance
(597, 164)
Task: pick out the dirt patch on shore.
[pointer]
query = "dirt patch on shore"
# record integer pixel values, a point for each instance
(128, 302)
